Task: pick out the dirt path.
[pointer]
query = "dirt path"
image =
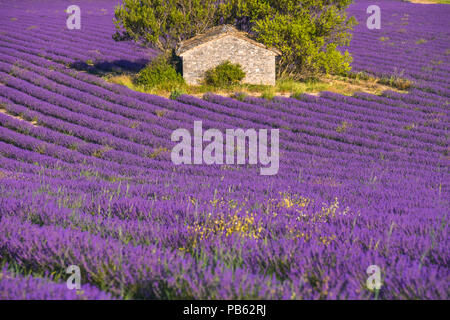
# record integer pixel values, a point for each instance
(33, 123)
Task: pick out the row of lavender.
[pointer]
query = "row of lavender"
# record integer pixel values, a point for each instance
(413, 40)
(87, 179)
(45, 21)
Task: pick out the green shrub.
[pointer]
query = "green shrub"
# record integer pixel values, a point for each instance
(176, 93)
(307, 33)
(396, 82)
(225, 74)
(239, 96)
(159, 74)
(268, 94)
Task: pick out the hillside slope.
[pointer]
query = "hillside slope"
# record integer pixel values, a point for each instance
(86, 177)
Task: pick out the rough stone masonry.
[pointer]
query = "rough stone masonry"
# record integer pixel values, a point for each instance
(222, 43)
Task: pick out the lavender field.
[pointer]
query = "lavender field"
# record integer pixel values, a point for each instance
(86, 176)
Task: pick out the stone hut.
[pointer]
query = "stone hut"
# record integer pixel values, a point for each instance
(218, 44)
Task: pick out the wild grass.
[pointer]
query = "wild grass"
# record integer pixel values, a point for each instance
(346, 85)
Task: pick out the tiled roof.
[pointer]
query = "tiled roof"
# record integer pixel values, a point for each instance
(217, 33)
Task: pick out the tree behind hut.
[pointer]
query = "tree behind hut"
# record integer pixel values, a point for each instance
(307, 32)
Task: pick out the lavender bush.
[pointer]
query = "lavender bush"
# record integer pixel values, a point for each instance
(86, 177)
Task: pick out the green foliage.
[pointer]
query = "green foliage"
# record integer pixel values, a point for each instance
(396, 82)
(225, 74)
(239, 96)
(159, 74)
(307, 32)
(420, 41)
(163, 23)
(342, 128)
(176, 93)
(268, 94)
(359, 75)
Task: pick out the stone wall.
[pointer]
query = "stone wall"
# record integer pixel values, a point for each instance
(257, 62)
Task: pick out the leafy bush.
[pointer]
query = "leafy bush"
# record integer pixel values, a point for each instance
(239, 96)
(176, 93)
(397, 81)
(160, 74)
(225, 74)
(306, 32)
(268, 94)
(163, 24)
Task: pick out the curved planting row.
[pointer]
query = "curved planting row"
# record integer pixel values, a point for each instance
(86, 176)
